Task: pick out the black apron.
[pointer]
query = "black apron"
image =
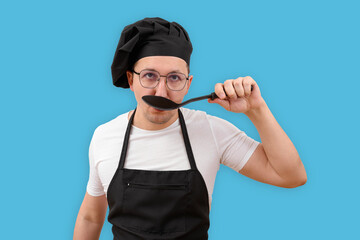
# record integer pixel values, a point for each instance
(145, 204)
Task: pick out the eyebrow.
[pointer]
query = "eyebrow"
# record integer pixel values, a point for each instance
(173, 71)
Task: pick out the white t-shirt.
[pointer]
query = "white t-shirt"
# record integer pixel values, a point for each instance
(214, 141)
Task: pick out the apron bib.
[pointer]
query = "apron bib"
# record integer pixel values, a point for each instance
(151, 205)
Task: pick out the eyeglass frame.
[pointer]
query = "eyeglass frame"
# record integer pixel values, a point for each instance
(158, 80)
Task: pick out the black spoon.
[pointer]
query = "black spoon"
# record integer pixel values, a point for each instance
(165, 104)
(162, 103)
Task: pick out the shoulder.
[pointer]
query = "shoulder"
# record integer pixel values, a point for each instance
(191, 115)
(194, 115)
(202, 121)
(115, 125)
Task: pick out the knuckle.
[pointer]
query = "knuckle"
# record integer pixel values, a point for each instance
(229, 81)
(248, 79)
(240, 92)
(232, 95)
(237, 84)
(218, 85)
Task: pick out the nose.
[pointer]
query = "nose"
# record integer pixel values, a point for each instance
(161, 89)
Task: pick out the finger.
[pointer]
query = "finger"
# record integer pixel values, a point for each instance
(247, 85)
(238, 86)
(219, 91)
(229, 89)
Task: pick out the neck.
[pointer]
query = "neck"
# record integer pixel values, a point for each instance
(146, 122)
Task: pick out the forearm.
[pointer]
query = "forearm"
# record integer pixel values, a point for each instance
(279, 149)
(87, 230)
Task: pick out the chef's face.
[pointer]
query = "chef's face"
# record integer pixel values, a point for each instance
(148, 117)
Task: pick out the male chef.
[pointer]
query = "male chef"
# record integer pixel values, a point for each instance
(156, 169)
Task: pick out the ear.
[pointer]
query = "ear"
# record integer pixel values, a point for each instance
(130, 75)
(189, 83)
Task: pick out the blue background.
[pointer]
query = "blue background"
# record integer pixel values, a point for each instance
(56, 88)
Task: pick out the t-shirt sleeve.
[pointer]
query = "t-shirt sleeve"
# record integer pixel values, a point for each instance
(234, 146)
(94, 185)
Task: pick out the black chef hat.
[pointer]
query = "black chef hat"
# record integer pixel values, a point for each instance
(148, 37)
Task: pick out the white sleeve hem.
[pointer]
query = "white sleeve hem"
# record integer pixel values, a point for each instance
(94, 193)
(248, 155)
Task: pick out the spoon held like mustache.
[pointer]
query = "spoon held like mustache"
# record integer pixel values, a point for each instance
(165, 104)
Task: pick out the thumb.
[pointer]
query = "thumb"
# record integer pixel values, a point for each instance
(223, 103)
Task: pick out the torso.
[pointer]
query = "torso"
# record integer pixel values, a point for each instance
(160, 150)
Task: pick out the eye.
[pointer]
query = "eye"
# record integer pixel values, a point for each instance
(149, 75)
(174, 77)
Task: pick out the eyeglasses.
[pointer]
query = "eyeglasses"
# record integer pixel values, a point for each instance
(151, 78)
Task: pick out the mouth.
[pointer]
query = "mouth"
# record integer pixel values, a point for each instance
(156, 110)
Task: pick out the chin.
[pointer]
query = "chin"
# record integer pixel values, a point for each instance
(158, 116)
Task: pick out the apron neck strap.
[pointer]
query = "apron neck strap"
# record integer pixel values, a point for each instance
(184, 133)
(126, 141)
(187, 141)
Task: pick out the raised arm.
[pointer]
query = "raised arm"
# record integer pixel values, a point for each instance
(276, 160)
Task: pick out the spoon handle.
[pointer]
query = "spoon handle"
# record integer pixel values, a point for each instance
(213, 94)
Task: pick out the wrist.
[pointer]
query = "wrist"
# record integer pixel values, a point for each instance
(257, 111)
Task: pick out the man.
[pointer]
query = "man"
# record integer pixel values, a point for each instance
(160, 186)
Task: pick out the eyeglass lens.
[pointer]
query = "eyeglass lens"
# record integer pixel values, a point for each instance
(174, 81)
